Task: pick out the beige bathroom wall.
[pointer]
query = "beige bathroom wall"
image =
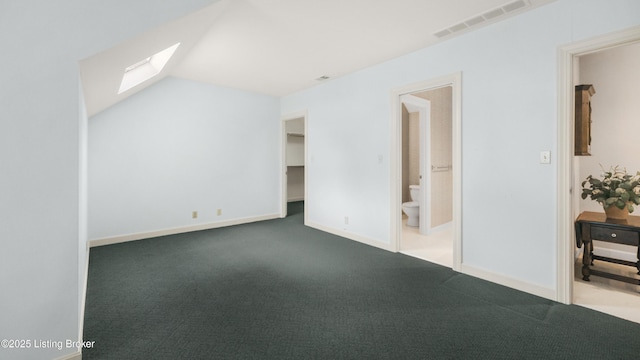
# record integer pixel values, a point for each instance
(441, 154)
(414, 148)
(410, 151)
(406, 196)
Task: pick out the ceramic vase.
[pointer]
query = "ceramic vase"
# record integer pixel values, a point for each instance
(615, 213)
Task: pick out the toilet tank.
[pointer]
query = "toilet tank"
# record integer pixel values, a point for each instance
(414, 190)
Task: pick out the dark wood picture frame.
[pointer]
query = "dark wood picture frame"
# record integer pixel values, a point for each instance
(583, 119)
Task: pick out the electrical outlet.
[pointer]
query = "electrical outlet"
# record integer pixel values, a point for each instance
(194, 214)
(219, 212)
(346, 220)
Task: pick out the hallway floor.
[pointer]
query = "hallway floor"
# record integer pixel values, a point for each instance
(608, 296)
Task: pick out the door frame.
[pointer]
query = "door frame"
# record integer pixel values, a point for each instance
(455, 81)
(283, 161)
(567, 59)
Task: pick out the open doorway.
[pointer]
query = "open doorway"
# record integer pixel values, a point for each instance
(426, 135)
(601, 63)
(293, 160)
(427, 192)
(416, 159)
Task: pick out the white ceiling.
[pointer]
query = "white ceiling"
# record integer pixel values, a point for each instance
(278, 47)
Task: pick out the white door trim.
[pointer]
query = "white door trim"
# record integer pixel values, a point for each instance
(283, 160)
(455, 81)
(566, 213)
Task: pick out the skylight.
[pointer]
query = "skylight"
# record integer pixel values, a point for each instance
(138, 64)
(145, 69)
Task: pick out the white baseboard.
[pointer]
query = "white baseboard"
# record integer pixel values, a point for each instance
(73, 356)
(178, 230)
(438, 228)
(295, 198)
(615, 253)
(351, 236)
(547, 293)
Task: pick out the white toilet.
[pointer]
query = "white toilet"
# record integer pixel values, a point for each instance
(412, 208)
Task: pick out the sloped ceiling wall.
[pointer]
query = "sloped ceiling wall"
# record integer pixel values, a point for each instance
(102, 73)
(278, 47)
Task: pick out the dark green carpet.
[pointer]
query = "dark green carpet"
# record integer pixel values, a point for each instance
(279, 290)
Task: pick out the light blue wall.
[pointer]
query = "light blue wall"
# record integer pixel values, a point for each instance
(40, 146)
(509, 114)
(183, 146)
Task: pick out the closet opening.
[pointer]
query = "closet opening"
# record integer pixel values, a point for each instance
(293, 161)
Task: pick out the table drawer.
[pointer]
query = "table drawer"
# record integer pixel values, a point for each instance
(614, 235)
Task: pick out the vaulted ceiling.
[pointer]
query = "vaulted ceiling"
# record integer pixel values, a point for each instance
(278, 47)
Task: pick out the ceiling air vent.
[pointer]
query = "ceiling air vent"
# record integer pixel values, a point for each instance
(482, 18)
(442, 33)
(514, 6)
(458, 27)
(474, 21)
(493, 14)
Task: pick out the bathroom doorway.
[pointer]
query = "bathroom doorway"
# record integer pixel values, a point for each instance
(416, 160)
(427, 137)
(293, 160)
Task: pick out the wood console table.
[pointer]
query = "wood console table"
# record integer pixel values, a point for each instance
(595, 226)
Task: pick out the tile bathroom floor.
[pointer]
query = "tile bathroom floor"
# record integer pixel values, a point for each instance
(608, 296)
(436, 248)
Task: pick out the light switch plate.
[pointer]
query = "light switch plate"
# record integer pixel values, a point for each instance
(545, 157)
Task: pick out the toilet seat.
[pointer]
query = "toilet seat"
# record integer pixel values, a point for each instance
(411, 204)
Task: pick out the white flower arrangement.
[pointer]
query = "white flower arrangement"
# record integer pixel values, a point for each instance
(616, 187)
